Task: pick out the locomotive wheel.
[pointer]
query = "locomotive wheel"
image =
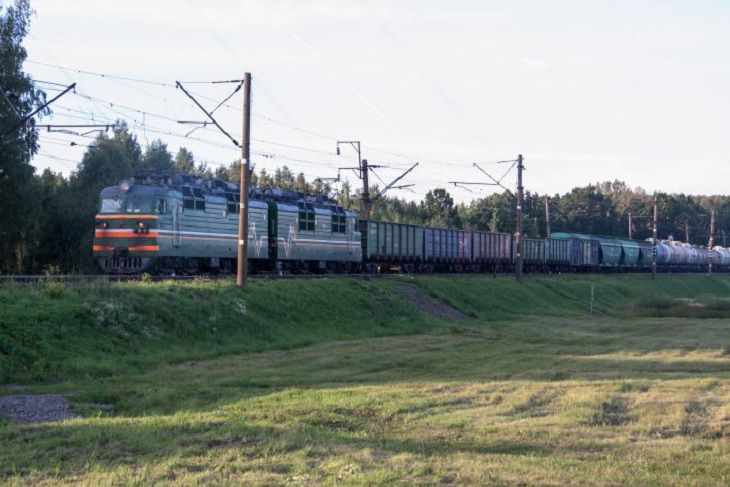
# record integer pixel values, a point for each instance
(166, 266)
(190, 266)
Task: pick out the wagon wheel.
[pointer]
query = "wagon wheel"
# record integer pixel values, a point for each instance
(226, 267)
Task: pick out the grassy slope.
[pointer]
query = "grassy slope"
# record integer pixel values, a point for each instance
(51, 333)
(530, 391)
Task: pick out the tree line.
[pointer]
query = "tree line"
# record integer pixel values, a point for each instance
(47, 219)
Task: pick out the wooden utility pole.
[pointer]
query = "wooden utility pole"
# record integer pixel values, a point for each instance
(711, 242)
(547, 217)
(242, 270)
(519, 258)
(654, 242)
(364, 170)
(631, 227)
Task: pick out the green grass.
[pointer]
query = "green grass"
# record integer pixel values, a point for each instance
(346, 382)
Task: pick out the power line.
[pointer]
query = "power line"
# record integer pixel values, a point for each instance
(424, 74)
(144, 126)
(102, 75)
(258, 82)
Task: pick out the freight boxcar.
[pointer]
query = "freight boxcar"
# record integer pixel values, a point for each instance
(391, 246)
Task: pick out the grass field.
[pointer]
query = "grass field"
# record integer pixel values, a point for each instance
(348, 382)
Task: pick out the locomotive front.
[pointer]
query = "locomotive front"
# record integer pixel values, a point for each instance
(125, 234)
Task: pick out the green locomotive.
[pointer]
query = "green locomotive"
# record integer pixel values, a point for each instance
(176, 223)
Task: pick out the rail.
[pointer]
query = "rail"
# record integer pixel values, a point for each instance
(77, 278)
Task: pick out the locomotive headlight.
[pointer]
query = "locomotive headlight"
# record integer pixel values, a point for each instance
(142, 227)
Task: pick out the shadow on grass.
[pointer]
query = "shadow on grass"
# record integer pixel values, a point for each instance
(74, 448)
(463, 356)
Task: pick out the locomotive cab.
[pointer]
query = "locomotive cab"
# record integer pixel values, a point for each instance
(126, 228)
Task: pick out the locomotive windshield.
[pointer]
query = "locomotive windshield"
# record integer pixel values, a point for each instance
(111, 205)
(137, 205)
(128, 205)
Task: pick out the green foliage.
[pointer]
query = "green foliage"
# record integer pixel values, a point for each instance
(18, 140)
(157, 157)
(184, 161)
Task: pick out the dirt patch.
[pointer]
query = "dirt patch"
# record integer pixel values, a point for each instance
(35, 408)
(537, 406)
(429, 305)
(614, 412)
(695, 419)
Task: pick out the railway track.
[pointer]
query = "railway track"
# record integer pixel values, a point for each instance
(78, 278)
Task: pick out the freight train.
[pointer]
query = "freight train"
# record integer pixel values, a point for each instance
(172, 224)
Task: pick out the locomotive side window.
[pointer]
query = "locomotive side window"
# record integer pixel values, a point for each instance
(188, 200)
(162, 206)
(306, 217)
(232, 202)
(339, 220)
(199, 199)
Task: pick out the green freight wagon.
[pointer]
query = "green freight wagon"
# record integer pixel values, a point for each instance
(632, 252)
(610, 250)
(584, 250)
(391, 246)
(646, 250)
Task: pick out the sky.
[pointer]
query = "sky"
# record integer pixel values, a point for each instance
(586, 90)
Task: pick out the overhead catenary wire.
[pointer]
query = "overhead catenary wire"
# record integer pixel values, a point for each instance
(118, 108)
(263, 89)
(267, 155)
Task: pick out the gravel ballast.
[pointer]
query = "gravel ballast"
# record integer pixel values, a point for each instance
(35, 408)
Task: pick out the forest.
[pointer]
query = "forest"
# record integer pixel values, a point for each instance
(46, 218)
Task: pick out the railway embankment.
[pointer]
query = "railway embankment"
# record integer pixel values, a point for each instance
(53, 331)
